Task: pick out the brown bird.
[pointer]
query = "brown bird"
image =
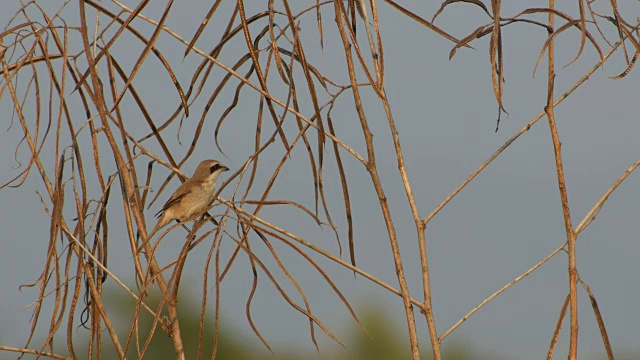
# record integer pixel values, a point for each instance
(192, 197)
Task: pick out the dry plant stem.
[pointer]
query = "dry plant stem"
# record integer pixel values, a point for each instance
(420, 229)
(588, 218)
(105, 269)
(127, 209)
(216, 330)
(556, 332)
(72, 310)
(255, 87)
(258, 69)
(320, 251)
(585, 221)
(571, 235)
(53, 193)
(373, 171)
(310, 261)
(127, 214)
(246, 243)
(264, 196)
(517, 135)
(34, 352)
(283, 293)
(99, 308)
(205, 290)
(300, 135)
(598, 315)
(293, 282)
(591, 215)
(510, 284)
(126, 180)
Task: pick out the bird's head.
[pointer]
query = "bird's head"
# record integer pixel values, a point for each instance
(209, 170)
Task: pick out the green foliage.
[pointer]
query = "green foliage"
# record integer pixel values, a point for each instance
(383, 339)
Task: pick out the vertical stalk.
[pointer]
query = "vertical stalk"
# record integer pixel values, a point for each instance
(571, 235)
(97, 94)
(420, 228)
(373, 172)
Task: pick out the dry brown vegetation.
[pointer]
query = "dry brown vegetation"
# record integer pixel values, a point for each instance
(97, 166)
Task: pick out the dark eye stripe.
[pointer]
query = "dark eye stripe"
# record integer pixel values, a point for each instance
(214, 168)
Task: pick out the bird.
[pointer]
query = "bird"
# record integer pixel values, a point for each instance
(191, 198)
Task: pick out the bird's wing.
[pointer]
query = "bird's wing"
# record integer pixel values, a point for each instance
(177, 196)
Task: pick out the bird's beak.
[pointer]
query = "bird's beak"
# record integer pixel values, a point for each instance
(224, 168)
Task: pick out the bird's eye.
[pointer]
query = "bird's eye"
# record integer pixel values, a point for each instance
(214, 168)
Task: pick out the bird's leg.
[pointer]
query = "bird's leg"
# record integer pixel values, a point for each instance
(205, 217)
(196, 226)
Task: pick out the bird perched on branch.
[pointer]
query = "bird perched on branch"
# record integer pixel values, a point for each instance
(192, 197)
